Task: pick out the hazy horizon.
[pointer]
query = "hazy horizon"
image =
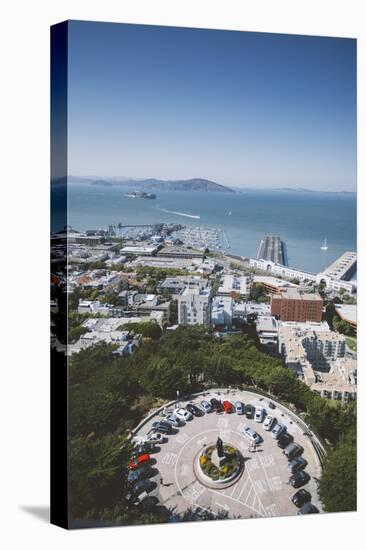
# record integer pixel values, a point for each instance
(242, 109)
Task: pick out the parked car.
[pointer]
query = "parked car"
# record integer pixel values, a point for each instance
(140, 473)
(139, 461)
(147, 502)
(269, 422)
(206, 406)
(308, 508)
(300, 497)
(249, 411)
(162, 426)
(144, 447)
(174, 421)
(252, 435)
(145, 485)
(271, 405)
(284, 440)
(299, 479)
(183, 414)
(155, 437)
(278, 430)
(297, 464)
(228, 408)
(239, 407)
(292, 450)
(193, 409)
(259, 414)
(216, 405)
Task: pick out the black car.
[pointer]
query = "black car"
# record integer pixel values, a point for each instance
(249, 411)
(284, 440)
(216, 405)
(145, 485)
(308, 508)
(140, 473)
(146, 447)
(193, 409)
(148, 503)
(299, 479)
(271, 405)
(300, 497)
(162, 427)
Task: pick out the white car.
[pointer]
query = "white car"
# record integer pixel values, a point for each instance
(205, 406)
(269, 422)
(174, 421)
(155, 437)
(259, 414)
(183, 414)
(251, 435)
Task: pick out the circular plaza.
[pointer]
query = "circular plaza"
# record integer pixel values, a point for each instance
(213, 462)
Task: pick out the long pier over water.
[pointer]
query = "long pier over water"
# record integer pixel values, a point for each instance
(271, 248)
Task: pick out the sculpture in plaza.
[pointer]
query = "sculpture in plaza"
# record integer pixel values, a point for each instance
(220, 447)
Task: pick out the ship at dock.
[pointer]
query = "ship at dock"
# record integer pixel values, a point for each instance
(140, 195)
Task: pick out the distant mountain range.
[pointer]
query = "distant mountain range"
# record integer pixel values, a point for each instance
(152, 184)
(194, 184)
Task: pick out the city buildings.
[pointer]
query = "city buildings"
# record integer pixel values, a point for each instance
(267, 330)
(234, 284)
(335, 277)
(194, 306)
(291, 304)
(222, 311)
(348, 313)
(318, 356)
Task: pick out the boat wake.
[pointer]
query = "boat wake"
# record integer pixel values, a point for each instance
(180, 213)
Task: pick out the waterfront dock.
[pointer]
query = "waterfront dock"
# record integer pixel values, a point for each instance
(343, 267)
(271, 248)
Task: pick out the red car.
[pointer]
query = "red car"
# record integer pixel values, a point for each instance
(228, 408)
(138, 461)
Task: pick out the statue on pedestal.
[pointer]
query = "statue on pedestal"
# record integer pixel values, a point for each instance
(220, 448)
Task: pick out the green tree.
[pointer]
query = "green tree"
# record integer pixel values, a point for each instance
(338, 483)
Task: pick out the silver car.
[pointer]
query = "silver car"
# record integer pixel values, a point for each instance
(206, 406)
(239, 407)
(278, 430)
(174, 421)
(251, 435)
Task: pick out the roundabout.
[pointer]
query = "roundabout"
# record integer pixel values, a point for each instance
(218, 465)
(249, 480)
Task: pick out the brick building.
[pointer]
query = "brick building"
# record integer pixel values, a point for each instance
(291, 304)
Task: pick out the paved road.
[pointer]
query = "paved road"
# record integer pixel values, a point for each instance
(263, 488)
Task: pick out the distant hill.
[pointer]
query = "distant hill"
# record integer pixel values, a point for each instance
(104, 183)
(152, 184)
(195, 184)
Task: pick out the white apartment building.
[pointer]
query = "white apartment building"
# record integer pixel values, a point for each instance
(194, 306)
(230, 284)
(330, 281)
(222, 311)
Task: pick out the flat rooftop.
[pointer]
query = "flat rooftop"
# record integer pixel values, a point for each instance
(347, 312)
(294, 294)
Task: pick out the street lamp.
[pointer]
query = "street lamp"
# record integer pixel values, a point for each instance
(178, 397)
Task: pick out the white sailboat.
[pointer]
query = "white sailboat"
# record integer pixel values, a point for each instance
(324, 245)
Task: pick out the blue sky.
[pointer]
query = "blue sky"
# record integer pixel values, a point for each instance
(244, 109)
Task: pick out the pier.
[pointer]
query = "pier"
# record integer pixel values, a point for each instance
(271, 248)
(343, 267)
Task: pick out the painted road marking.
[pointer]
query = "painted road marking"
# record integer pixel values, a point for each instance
(169, 459)
(193, 492)
(182, 438)
(184, 469)
(222, 422)
(267, 460)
